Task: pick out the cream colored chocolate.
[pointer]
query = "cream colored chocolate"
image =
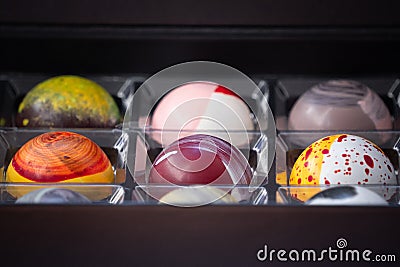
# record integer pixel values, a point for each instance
(197, 196)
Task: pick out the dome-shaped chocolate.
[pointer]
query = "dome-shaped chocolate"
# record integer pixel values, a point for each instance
(60, 157)
(68, 101)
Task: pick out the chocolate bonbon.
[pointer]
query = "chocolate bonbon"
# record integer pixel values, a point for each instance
(347, 196)
(195, 195)
(200, 159)
(53, 196)
(202, 107)
(339, 105)
(68, 101)
(60, 157)
(343, 159)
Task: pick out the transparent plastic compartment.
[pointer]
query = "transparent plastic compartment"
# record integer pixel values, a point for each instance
(147, 141)
(95, 193)
(243, 195)
(286, 90)
(147, 150)
(298, 195)
(14, 87)
(291, 144)
(109, 141)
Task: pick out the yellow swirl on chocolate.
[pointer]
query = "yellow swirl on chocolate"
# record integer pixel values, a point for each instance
(304, 171)
(60, 157)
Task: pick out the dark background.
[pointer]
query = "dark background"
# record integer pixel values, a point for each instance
(274, 37)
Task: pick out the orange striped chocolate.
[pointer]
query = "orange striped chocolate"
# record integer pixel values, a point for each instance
(60, 157)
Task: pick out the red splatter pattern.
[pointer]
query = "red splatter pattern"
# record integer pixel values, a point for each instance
(343, 159)
(340, 138)
(368, 160)
(308, 153)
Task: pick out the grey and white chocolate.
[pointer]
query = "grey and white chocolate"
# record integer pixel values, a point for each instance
(53, 196)
(340, 105)
(347, 196)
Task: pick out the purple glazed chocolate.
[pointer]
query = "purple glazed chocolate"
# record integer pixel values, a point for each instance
(340, 105)
(200, 159)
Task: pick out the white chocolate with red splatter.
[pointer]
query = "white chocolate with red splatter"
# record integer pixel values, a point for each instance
(343, 159)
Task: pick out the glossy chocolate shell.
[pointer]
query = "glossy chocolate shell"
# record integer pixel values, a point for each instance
(60, 157)
(68, 101)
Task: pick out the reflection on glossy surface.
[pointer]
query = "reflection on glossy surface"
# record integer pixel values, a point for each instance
(200, 159)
